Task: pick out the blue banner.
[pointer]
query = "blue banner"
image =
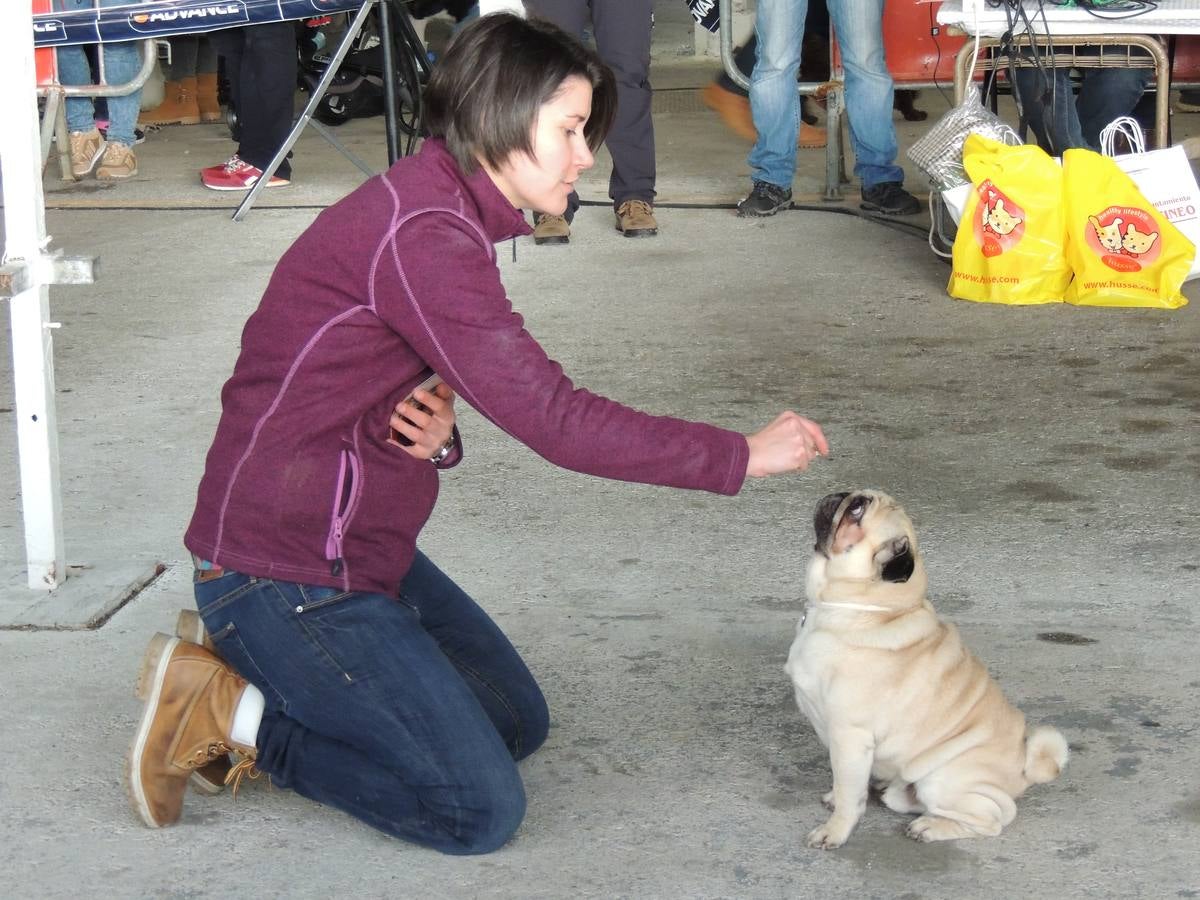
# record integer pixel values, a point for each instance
(706, 13)
(163, 18)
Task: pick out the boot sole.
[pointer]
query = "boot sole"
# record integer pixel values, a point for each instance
(871, 207)
(149, 689)
(190, 627)
(743, 214)
(179, 120)
(551, 240)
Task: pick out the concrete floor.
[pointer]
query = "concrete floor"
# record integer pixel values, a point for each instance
(1047, 454)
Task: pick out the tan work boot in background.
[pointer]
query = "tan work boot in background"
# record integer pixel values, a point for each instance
(206, 97)
(118, 162)
(179, 106)
(734, 110)
(635, 218)
(191, 697)
(86, 148)
(208, 779)
(551, 229)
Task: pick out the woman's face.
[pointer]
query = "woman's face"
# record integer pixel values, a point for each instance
(543, 181)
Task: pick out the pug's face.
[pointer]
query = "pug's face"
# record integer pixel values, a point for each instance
(863, 537)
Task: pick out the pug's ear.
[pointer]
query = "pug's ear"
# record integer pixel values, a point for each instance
(896, 560)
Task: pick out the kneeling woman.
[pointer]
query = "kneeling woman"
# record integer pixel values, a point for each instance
(340, 660)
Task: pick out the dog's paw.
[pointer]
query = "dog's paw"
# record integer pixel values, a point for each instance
(827, 800)
(927, 829)
(829, 836)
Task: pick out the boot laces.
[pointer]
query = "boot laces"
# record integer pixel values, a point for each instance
(636, 207)
(244, 768)
(208, 754)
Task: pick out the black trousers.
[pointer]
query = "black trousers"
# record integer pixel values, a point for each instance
(260, 63)
(622, 32)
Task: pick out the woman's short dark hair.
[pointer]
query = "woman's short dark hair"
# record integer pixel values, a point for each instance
(484, 94)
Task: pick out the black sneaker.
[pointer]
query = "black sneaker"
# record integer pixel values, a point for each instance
(891, 199)
(765, 200)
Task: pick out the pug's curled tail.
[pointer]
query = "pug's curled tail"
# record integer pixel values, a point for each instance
(1045, 754)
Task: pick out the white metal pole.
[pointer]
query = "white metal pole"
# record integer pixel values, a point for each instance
(33, 349)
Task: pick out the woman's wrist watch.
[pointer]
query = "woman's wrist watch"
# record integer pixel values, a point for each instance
(441, 455)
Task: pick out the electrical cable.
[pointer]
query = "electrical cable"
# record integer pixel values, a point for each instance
(887, 221)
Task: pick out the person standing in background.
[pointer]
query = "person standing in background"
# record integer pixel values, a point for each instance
(621, 29)
(261, 64)
(190, 90)
(121, 63)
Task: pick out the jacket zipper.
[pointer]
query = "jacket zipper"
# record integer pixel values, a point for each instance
(345, 501)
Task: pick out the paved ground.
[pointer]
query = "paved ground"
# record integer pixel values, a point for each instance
(1048, 455)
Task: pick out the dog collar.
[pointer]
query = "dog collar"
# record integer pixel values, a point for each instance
(861, 607)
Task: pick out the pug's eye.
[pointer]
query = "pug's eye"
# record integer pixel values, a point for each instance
(857, 508)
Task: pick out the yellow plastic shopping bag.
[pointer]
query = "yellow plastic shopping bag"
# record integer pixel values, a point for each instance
(1009, 246)
(1123, 250)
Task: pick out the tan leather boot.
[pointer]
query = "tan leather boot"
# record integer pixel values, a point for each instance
(551, 229)
(206, 97)
(208, 779)
(635, 218)
(179, 106)
(191, 697)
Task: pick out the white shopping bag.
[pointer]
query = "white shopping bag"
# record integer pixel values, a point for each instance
(956, 200)
(1164, 177)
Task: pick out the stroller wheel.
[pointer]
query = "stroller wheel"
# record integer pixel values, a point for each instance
(333, 110)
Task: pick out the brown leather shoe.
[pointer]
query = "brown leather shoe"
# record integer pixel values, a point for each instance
(635, 218)
(734, 109)
(117, 163)
(810, 137)
(86, 148)
(551, 229)
(179, 106)
(206, 98)
(191, 697)
(208, 779)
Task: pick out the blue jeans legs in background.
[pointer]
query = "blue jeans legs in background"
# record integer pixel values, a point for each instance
(121, 63)
(774, 100)
(775, 103)
(1066, 122)
(858, 25)
(408, 713)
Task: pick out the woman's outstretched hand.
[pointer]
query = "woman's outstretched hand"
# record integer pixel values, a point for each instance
(788, 444)
(426, 418)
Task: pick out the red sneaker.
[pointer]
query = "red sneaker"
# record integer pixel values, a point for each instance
(236, 175)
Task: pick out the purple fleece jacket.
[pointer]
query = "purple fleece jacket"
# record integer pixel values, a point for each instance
(398, 278)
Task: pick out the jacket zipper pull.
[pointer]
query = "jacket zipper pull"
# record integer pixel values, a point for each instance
(336, 568)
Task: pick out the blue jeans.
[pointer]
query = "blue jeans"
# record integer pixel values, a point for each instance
(121, 63)
(1104, 95)
(775, 103)
(406, 712)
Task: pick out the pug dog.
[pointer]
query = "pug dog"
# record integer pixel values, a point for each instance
(894, 694)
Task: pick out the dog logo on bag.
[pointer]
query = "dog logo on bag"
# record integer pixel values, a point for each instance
(1124, 237)
(1000, 224)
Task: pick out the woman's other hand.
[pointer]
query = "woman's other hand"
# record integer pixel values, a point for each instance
(426, 418)
(788, 444)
